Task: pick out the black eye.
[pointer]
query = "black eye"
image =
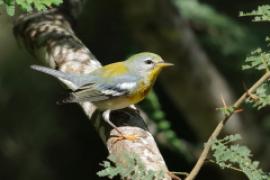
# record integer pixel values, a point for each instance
(148, 61)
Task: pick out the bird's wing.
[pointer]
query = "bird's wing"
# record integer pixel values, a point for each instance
(105, 89)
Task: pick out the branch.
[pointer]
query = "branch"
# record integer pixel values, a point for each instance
(49, 37)
(221, 124)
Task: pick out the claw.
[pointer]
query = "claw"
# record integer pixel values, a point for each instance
(129, 137)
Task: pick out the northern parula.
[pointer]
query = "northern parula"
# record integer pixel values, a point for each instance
(114, 86)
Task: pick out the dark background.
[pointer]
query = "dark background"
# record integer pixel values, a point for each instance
(41, 140)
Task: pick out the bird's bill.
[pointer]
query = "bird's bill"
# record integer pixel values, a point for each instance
(164, 64)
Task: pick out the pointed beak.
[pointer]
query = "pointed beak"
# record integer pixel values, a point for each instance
(164, 64)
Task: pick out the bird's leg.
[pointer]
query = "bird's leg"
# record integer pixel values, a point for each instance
(121, 136)
(135, 109)
(106, 117)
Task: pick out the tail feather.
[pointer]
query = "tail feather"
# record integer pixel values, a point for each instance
(73, 78)
(49, 71)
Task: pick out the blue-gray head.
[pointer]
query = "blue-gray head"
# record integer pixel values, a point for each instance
(146, 62)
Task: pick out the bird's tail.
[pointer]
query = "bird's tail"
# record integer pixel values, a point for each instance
(49, 71)
(73, 78)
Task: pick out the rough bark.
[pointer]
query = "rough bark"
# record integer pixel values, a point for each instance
(50, 38)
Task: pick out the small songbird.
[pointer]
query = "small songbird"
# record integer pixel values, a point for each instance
(114, 86)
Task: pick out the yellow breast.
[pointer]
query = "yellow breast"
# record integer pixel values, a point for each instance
(140, 93)
(144, 86)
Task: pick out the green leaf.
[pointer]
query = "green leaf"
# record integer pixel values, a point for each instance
(28, 5)
(131, 167)
(258, 60)
(236, 156)
(261, 14)
(262, 96)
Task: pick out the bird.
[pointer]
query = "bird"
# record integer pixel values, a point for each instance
(113, 86)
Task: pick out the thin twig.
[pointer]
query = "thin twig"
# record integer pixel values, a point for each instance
(220, 126)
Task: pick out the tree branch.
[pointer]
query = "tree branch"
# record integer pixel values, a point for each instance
(221, 124)
(50, 38)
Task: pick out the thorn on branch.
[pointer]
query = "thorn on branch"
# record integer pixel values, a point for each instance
(227, 110)
(252, 96)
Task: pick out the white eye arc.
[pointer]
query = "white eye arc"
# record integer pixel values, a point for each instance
(148, 61)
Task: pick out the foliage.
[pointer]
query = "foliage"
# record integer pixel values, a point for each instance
(131, 167)
(261, 97)
(222, 31)
(235, 156)
(28, 5)
(261, 14)
(258, 60)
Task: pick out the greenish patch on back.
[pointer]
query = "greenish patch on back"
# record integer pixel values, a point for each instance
(114, 70)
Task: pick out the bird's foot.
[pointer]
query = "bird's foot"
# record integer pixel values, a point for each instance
(120, 136)
(128, 137)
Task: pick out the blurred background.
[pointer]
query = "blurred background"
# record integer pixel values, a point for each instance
(206, 40)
